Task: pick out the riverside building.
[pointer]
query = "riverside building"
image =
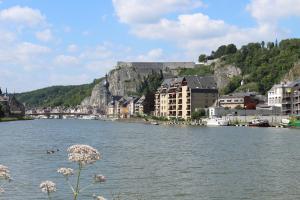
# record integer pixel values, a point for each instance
(286, 96)
(180, 97)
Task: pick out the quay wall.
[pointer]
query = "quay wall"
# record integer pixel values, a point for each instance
(273, 119)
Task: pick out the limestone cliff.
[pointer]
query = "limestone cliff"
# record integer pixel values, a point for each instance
(223, 73)
(127, 76)
(293, 74)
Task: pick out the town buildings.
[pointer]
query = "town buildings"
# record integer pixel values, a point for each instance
(10, 105)
(275, 94)
(180, 97)
(286, 96)
(246, 100)
(126, 107)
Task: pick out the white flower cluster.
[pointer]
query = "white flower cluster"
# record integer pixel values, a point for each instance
(48, 186)
(4, 172)
(99, 178)
(83, 154)
(66, 171)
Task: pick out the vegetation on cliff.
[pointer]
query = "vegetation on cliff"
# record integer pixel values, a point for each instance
(262, 64)
(57, 95)
(150, 83)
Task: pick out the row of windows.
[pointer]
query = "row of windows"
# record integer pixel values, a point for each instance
(232, 101)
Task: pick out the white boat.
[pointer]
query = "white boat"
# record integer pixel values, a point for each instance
(285, 121)
(154, 123)
(89, 117)
(217, 122)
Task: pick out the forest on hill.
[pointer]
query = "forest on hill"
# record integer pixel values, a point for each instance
(67, 96)
(262, 64)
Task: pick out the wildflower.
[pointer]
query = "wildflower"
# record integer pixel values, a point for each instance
(4, 173)
(66, 171)
(83, 154)
(48, 187)
(99, 178)
(2, 190)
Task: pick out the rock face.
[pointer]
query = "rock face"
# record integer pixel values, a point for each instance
(126, 77)
(223, 74)
(293, 74)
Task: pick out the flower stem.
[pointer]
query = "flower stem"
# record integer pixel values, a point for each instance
(77, 184)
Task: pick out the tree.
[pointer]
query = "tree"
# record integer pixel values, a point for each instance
(231, 49)
(1, 111)
(270, 45)
(202, 58)
(198, 114)
(263, 44)
(220, 52)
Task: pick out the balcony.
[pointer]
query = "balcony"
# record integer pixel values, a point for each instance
(287, 102)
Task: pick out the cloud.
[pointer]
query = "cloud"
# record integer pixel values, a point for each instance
(44, 36)
(270, 11)
(186, 26)
(152, 55)
(65, 60)
(72, 48)
(196, 33)
(141, 11)
(22, 15)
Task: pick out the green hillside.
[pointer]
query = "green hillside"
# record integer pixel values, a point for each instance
(57, 95)
(262, 64)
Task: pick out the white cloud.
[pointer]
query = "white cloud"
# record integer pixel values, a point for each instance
(45, 35)
(65, 60)
(141, 11)
(152, 55)
(22, 15)
(72, 48)
(186, 26)
(269, 11)
(7, 37)
(196, 33)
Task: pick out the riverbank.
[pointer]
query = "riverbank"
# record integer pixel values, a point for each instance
(11, 119)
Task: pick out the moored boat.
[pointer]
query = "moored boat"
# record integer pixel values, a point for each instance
(217, 122)
(259, 123)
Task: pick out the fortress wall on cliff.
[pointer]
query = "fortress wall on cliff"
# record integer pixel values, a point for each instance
(156, 65)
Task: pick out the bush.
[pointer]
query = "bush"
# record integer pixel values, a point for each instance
(198, 114)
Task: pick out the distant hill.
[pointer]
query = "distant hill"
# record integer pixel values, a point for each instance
(261, 64)
(57, 95)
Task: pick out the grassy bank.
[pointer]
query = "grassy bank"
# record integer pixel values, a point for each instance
(10, 119)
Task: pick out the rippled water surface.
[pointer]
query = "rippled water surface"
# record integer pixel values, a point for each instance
(155, 162)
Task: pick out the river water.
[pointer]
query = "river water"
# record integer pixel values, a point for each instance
(154, 162)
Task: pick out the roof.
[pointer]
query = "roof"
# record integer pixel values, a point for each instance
(201, 82)
(294, 84)
(238, 95)
(193, 82)
(172, 81)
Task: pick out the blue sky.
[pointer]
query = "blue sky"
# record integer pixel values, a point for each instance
(50, 42)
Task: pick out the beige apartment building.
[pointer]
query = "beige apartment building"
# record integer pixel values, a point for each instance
(180, 97)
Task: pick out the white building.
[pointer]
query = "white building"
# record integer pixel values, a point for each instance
(275, 95)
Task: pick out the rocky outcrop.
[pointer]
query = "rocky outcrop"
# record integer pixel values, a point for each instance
(293, 74)
(125, 79)
(223, 74)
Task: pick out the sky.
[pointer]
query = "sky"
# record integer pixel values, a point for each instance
(67, 42)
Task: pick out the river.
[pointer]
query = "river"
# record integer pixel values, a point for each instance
(154, 162)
